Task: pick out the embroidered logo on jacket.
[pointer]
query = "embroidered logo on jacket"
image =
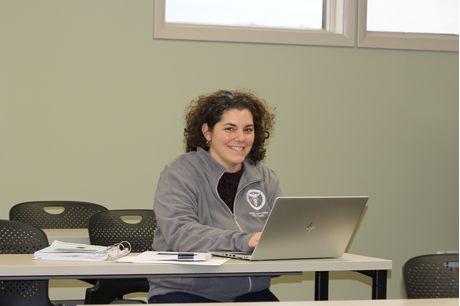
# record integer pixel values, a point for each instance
(256, 198)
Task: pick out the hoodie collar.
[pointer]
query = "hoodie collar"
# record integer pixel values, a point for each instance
(250, 173)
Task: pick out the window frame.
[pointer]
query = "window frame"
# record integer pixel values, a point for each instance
(400, 40)
(340, 29)
(345, 30)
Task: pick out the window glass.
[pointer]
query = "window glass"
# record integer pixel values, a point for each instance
(413, 16)
(289, 14)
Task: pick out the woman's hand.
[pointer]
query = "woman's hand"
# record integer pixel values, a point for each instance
(254, 240)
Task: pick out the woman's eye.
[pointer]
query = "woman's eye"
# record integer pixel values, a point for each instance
(249, 130)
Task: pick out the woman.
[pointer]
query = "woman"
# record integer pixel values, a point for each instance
(217, 196)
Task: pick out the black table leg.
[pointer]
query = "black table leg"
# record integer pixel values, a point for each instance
(321, 285)
(379, 283)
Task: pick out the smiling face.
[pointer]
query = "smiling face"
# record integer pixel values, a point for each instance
(231, 138)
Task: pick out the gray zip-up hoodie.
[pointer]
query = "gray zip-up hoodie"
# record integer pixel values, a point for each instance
(192, 217)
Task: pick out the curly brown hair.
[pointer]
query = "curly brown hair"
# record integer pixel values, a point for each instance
(209, 109)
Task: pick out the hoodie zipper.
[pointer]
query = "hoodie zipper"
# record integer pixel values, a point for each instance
(234, 215)
(225, 204)
(236, 195)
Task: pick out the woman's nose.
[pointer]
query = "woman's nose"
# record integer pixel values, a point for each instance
(239, 135)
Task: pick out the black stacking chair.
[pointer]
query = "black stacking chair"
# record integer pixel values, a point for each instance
(431, 276)
(22, 238)
(113, 226)
(56, 214)
(66, 214)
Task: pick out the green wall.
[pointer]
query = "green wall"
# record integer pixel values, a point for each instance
(91, 108)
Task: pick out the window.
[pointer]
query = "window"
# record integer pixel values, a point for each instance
(320, 22)
(394, 24)
(289, 14)
(409, 24)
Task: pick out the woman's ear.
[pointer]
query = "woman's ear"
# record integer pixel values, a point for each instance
(206, 132)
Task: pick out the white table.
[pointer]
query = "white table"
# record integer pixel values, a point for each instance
(75, 235)
(413, 302)
(22, 266)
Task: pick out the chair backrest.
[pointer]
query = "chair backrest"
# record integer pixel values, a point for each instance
(431, 276)
(113, 226)
(22, 238)
(55, 214)
(134, 225)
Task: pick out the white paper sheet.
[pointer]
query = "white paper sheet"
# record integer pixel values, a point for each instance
(150, 257)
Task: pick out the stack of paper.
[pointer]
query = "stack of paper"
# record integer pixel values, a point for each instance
(59, 250)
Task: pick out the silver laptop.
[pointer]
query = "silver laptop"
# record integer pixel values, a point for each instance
(306, 227)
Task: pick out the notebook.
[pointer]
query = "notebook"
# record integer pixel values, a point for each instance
(306, 227)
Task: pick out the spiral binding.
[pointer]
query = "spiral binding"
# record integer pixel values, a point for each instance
(118, 250)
